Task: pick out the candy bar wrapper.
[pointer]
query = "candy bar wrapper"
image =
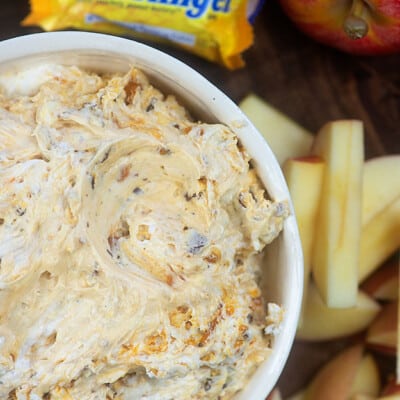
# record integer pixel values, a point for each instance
(218, 30)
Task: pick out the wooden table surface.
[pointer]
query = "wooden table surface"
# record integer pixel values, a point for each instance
(312, 84)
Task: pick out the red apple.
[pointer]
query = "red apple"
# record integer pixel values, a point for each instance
(355, 26)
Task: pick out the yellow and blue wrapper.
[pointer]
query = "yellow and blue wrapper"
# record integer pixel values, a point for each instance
(218, 30)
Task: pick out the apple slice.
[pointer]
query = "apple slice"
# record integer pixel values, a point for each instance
(382, 333)
(337, 238)
(297, 396)
(381, 185)
(367, 381)
(335, 379)
(391, 391)
(285, 137)
(379, 239)
(394, 396)
(383, 284)
(274, 395)
(361, 396)
(304, 180)
(321, 322)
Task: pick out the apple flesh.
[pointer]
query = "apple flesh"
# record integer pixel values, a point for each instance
(383, 284)
(285, 137)
(274, 395)
(304, 179)
(367, 381)
(381, 185)
(350, 375)
(337, 237)
(380, 238)
(297, 396)
(321, 322)
(382, 333)
(355, 26)
(394, 396)
(335, 379)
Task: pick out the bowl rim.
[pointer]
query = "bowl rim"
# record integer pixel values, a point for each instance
(225, 111)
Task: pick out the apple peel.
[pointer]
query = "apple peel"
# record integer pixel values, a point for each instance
(334, 380)
(321, 322)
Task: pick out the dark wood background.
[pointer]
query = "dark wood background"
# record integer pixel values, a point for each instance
(311, 83)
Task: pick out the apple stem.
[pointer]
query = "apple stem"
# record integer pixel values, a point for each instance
(355, 25)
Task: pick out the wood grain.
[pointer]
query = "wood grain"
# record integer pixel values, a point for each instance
(311, 83)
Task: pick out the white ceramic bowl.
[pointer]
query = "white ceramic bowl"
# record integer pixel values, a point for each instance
(283, 275)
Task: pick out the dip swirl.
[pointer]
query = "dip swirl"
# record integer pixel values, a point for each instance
(131, 242)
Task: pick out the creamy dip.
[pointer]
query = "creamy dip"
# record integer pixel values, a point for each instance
(131, 241)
